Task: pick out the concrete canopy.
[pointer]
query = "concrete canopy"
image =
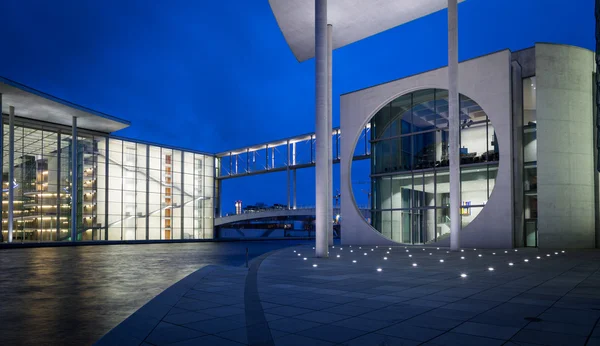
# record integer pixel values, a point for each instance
(352, 20)
(33, 104)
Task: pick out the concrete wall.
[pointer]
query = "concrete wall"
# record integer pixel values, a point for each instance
(486, 80)
(566, 208)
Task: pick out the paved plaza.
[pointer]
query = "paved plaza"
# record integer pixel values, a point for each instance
(379, 296)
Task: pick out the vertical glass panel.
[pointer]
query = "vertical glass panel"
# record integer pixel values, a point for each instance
(474, 186)
(386, 223)
(384, 193)
(418, 195)
(424, 115)
(396, 226)
(530, 143)
(402, 188)
(529, 101)
(530, 179)
(441, 108)
(442, 193)
(424, 147)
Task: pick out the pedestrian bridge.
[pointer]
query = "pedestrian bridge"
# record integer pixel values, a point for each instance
(272, 213)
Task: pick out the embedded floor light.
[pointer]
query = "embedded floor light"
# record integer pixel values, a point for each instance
(474, 249)
(442, 261)
(409, 255)
(526, 260)
(430, 254)
(538, 257)
(354, 261)
(563, 251)
(447, 251)
(387, 252)
(338, 256)
(463, 275)
(511, 264)
(491, 269)
(516, 250)
(359, 247)
(389, 248)
(314, 265)
(480, 255)
(414, 264)
(313, 247)
(462, 250)
(294, 251)
(304, 258)
(351, 250)
(371, 249)
(462, 257)
(556, 253)
(438, 248)
(493, 253)
(365, 253)
(377, 247)
(385, 258)
(547, 255)
(378, 269)
(299, 254)
(407, 251)
(505, 251)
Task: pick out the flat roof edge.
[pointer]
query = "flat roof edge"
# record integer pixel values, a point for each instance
(61, 101)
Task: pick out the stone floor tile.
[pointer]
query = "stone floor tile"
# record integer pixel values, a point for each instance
(187, 317)
(573, 316)
(299, 340)
(451, 339)
(207, 340)
(364, 324)
(287, 311)
(166, 333)
(486, 330)
(321, 317)
(223, 311)
(195, 305)
(292, 325)
(548, 338)
(406, 331)
(215, 325)
(564, 328)
(332, 333)
(379, 340)
(433, 322)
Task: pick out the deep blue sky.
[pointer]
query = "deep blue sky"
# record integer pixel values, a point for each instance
(216, 75)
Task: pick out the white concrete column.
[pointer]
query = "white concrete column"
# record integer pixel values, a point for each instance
(287, 187)
(11, 171)
(329, 126)
(454, 125)
(74, 181)
(321, 169)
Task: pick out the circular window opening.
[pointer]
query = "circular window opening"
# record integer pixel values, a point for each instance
(403, 187)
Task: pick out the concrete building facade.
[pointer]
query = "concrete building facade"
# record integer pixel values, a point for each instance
(514, 191)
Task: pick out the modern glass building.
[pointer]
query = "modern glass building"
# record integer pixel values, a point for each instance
(528, 153)
(65, 177)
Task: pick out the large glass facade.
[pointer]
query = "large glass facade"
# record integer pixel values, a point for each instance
(125, 190)
(409, 165)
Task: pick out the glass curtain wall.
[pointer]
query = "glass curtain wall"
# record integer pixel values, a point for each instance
(126, 190)
(409, 165)
(530, 160)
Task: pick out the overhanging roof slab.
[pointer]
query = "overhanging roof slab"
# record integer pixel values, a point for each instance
(352, 20)
(33, 104)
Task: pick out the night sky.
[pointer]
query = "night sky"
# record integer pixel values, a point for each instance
(217, 75)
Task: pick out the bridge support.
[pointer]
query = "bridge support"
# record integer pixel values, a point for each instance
(321, 115)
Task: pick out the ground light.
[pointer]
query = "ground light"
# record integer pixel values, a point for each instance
(463, 275)
(491, 269)
(442, 261)
(385, 258)
(526, 260)
(378, 269)
(480, 255)
(538, 257)
(409, 255)
(338, 256)
(314, 265)
(511, 264)
(299, 254)
(365, 253)
(462, 257)
(414, 264)
(462, 250)
(353, 261)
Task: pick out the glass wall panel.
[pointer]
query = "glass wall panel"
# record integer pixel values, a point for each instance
(409, 142)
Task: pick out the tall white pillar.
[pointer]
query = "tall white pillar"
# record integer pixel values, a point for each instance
(11, 171)
(74, 182)
(454, 125)
(321, 169)
(294, 188)
(329, 126)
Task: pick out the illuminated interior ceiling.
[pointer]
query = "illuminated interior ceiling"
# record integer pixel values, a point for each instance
(352, 20)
